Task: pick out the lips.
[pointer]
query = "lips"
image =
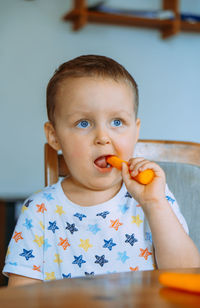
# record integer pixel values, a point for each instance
(101, 162)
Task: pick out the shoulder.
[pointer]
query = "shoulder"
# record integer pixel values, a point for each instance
(41, 199)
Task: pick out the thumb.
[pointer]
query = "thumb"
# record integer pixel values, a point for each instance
(131, 185)
(125, 174)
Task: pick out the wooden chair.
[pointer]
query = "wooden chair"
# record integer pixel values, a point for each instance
(180, 161)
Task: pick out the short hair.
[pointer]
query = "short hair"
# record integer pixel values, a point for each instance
(87, 66)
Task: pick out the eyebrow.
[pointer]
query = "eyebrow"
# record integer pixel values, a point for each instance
(122, 111)
(88, 113)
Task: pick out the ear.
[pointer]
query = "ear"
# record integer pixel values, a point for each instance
(137, 129)
(51, 136)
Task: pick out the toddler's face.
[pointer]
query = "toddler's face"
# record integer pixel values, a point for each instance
(95, 118)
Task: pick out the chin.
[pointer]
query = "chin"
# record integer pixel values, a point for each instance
(105, 184)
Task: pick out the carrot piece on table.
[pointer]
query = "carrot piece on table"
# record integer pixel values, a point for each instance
(189, 282)
(144, 177)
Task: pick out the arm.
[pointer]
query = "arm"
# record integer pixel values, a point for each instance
(17, 280)
(173, 247)
(25, 253)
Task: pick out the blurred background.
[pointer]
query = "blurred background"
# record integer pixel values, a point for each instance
(34, 41)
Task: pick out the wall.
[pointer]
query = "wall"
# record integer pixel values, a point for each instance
(35, 40)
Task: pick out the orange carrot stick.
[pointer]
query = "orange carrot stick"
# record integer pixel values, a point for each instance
(144, 177)
(116, 162)
(182, 281)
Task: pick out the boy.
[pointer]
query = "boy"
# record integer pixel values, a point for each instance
(98, 219)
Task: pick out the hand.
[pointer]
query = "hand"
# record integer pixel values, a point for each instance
(148, 195)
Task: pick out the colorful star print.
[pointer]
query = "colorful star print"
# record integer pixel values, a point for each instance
(134, 269)
(28, 224)
(46, 245)
(67, 276)
(13, 263)
(101, 260)
(39, 240)
(36, 268)
(145, 253)
(59, 210)
(94, 228)
(8, 251)
(71, 228)
(128, 195)
(24, 208)
(41, 225)
(115, 224)
(27, 254)
(41, 208)
(122, 256)
(123, 208)
(137, 220)
(50, 276)
(52, 226)
(57, 258)
(109, 272)
(54, 236)
(28, 203)
(48, 197)
(130, 239)
(89, 274)
(109, 244)
(85, 244)
(64, 243)
(78, 260)
(17, 236)
(170, 199)
(103, 214)
(80, 216)
(148, 236)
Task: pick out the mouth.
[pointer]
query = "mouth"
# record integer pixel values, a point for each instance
(102, 165)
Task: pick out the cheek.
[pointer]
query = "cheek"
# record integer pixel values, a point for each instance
(74, 150)
(126, 146)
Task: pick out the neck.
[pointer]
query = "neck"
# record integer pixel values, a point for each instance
(85, 196)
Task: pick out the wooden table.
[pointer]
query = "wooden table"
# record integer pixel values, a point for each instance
(128, 290)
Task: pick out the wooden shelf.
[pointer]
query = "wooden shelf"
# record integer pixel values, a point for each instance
(80, 15)
(188, 26)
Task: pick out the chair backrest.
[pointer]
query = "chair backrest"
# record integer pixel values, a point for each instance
(180, 161)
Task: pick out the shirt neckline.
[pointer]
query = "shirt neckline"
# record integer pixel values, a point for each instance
(93, 208)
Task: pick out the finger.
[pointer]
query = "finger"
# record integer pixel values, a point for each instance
(150, 165)
(136, 165)
(131, 185)
(133, 162)
(125, 173)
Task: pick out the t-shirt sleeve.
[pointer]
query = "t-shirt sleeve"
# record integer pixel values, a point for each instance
(25, 251)
(175, 207)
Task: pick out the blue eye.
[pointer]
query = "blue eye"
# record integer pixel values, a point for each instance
(116, 123)
(83, 124)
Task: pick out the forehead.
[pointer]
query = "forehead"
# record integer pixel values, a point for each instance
(96, 98)
(83, 90)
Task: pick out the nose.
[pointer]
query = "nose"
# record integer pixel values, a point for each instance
(102, 138)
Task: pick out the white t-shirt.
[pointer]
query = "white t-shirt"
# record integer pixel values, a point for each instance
(55, 238)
